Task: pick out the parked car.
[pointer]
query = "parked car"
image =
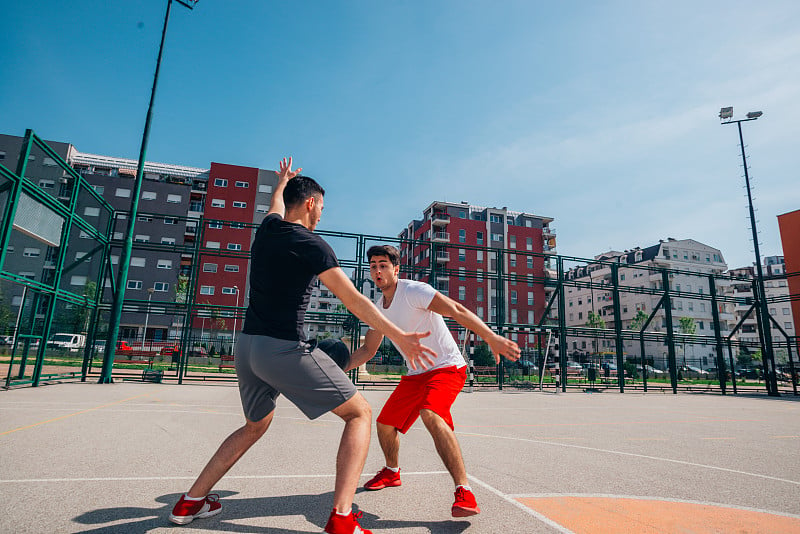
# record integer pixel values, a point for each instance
(652, 372)
(6, 340)
(690, 371)
(71, 342)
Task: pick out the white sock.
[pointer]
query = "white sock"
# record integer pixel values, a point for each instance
(187, 498)
(465, 487)
(348, 512)
(393, 469)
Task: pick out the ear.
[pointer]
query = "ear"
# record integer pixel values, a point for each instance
(397, 270)
(311, 202)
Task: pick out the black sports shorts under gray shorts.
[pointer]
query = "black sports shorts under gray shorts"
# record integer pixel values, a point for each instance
(267, 367)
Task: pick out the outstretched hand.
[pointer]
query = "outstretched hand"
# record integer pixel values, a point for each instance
(286, 172)
(501, 346)
(415, 352)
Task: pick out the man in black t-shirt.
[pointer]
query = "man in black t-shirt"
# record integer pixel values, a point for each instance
(272, 357)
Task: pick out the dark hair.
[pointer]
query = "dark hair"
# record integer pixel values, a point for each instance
(298, 189)
(384, 250)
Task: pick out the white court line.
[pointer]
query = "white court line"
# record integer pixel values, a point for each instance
(650, 498)
(622, 453)
(508, 498)
(227, 477)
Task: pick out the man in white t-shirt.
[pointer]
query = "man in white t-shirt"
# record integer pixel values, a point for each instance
(426, 393)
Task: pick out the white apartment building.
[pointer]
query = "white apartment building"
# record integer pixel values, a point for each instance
(641, 268)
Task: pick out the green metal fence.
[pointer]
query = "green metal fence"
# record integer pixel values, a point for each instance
(631, 332)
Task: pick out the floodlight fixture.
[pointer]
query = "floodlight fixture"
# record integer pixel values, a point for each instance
(726, 113)
(754, 114)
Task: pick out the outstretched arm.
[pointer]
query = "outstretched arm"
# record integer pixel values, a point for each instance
(286, 173)
(499, 345)
(366, 351)
(407, 342)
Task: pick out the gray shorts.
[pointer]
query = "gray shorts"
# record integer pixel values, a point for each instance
(267, 367)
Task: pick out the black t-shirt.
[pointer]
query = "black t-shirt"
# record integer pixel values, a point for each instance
(285, 260)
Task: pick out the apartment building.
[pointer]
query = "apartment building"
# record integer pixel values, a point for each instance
(590, 291)
(456, 246)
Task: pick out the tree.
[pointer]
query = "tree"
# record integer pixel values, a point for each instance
(638, 320)
(182, 289)
(6, 317)
(595, 321)
(686, 325)
(482, 355)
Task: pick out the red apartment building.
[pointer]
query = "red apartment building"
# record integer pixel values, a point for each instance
(465, 239)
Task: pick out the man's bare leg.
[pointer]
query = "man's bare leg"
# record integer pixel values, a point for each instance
(353, 448)
(228, 454)
(389, 438)
(446, 445)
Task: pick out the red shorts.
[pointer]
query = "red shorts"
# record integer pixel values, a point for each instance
(434, 390)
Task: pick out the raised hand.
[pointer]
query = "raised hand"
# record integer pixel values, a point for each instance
(286, 172)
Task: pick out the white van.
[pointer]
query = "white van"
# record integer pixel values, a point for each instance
(72, 342)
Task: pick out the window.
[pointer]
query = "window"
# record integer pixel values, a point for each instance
(209, 267)
(212, 244)
(264, 188)
(164, 264)
(122, 193)
(530, 316)
(144, 218)
(462, 293)
(513, 316)
(174, 199)
(217, 203)
(91, 212)
(262, 208)
(137, 262)
(149, 195)
(229, 290)
(462, 275)
(99, 188)
(529, 243)
(512, 260)
(142, 238)
(47, 184)
(479, 311)
(220, 182)
(512, 241)
(170, 220)
(480, 295)
(513, 298)
(161, 287)
(30, 252)
(215, 224)
(785, 311)
(462, 236)
(83, 235)
(462, 255)
(234, 246)
(480, 238)
(231, 268)
(134, 284)
(78, 281)
(480, 256)
(167, 240)
(206, 290)
(530, 298)
(497, 237)
(529, 262)
(237, 225)
(238, 204)
(495, 218)
(242, 184)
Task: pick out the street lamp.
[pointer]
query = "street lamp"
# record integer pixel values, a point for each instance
(768, 358)
(124, 260)
(147, 315)
(233, 345)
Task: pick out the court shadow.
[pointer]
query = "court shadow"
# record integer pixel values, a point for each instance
(315, 509)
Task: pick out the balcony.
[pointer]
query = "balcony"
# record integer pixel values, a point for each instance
(442, 287)
(441, 237)
(442, 256)
(548, 232)
(440, 219)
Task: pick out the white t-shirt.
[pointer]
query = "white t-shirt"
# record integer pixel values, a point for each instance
(409, 311)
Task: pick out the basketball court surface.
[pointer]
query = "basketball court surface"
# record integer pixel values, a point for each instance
(114, 458)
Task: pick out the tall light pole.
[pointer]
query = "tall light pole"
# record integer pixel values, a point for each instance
(768, 356)
(122, 279)
(147, 315)
(233, 345)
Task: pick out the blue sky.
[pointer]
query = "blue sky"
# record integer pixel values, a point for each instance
(602, 115)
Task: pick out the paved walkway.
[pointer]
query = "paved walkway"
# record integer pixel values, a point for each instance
(114, 458)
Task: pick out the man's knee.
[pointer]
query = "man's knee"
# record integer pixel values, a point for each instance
(257, 428)
(354, 408)
(428, 416)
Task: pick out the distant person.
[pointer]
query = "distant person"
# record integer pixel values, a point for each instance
(273, 358)
(426, 393)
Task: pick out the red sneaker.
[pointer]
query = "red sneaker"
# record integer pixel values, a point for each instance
(185, 511)
(465, 504)
(345, 524)
(386, 478)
